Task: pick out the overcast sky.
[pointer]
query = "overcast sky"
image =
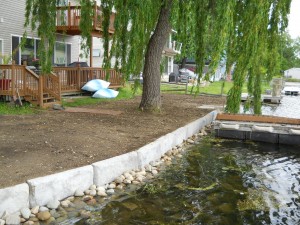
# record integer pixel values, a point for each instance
(294, 19)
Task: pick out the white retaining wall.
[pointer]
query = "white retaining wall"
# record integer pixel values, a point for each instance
(40, 191)
(12, 199)
(60, 185)
(107, 170)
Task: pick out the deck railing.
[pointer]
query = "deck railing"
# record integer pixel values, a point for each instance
(73, 78)
(68, 18)
(19, 81)
(33, 90)
(51, 85)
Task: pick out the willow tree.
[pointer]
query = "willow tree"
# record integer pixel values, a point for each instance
(242, 30)
(41, 16)
(258, 25)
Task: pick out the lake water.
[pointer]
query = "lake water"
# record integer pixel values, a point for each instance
(289, 107)
(216, 182)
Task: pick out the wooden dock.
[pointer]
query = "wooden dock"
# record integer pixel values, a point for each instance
(276, 130)
(290, 90)
(264, 98)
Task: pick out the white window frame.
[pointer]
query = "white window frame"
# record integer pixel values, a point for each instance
(11, 46)
(34, 47)
(20, 50)
(62, 3)
(2, 49)
(66, 50)
(97, 52)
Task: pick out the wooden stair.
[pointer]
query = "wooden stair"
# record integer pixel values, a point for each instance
(45, 92)
(48, 100)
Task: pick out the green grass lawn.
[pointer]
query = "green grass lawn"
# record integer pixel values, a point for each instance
(124, 93)
(292, 80)
(11, 109)
(210, 88)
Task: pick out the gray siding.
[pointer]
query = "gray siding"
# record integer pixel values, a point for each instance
(12, 18)
(12, 13)
(74, 41)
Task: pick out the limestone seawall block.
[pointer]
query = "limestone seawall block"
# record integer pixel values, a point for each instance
(14, 198)
(212, 116)
(107, 170)
(150, 152)
(166, 143)
(180, 135)
(209, 118)
(154, 150)
(195, 126)
(59, 185)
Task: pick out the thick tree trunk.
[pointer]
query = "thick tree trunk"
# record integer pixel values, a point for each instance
(151, 99)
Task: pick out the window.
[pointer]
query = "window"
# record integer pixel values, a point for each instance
(62, 13)
(62, 2)
(62, 54)
(15, 49)
(1, 51)
(68, 54)
(96, 52)
(28, 51)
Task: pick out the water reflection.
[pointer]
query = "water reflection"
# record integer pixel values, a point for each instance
(275, 177)
(216, 182)
(289, 107)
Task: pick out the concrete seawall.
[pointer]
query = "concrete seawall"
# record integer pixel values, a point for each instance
(40, 191)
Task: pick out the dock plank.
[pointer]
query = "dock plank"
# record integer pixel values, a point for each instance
(256, 118)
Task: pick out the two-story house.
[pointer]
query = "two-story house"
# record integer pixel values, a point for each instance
(12, 18)
(22, 81)
(171, 49)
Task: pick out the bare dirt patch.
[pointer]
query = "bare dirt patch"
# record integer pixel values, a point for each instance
(54, 141)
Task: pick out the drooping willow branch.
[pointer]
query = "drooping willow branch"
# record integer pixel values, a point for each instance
(242, 32)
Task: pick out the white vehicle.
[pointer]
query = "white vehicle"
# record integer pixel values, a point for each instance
(186, 75)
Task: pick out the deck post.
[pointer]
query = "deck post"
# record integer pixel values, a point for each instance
(78, 76)
(91, 53)
(13, 78)
(95, 15)
(59, 87)
(69, 15)
(24, 75)
(40, 90)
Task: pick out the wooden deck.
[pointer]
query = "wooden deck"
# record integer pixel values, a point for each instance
(44, 90)
(257, 119)
(68, 20)
(73, 78)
